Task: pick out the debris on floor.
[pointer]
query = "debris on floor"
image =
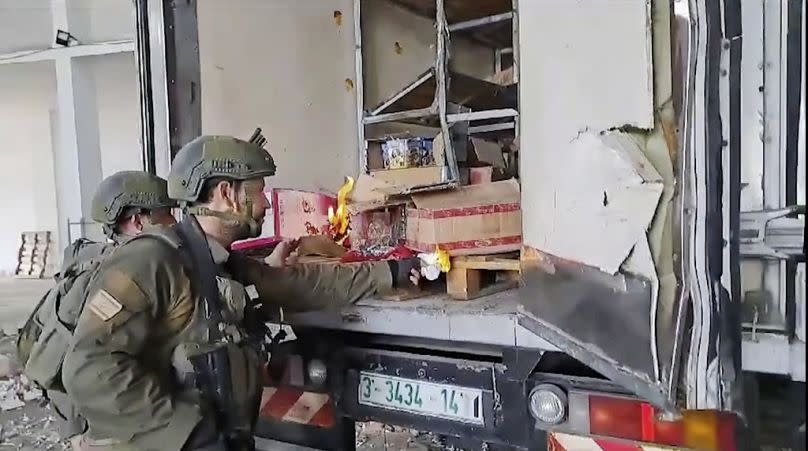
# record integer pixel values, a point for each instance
(26, 421)
(377, 436)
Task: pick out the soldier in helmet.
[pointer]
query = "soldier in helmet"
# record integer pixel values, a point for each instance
(124, 204)
(161, 357)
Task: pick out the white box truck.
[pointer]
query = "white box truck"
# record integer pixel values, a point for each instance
(660, 149)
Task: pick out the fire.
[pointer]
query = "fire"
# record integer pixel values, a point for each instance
(340, 220)
(442, 257)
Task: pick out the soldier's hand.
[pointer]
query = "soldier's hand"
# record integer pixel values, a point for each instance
(405, 272)
(281, 255)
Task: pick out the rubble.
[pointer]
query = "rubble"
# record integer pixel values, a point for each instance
(26, 423)
(377, 436)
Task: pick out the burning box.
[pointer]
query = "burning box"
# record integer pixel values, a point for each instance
(300, 213)
(476, 219)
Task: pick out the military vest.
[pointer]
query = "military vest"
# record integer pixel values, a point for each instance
(44, 338)
(199, 337)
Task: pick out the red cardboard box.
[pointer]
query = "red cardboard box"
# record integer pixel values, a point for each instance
(476, 219)
(299, 213)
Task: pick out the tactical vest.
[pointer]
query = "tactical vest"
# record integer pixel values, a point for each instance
(214, 359)
(44, 338)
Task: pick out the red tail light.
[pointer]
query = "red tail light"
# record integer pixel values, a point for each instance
(635, 420)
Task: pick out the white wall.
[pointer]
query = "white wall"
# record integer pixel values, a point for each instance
(101, 20)
(282, 65)
(115, 79)
(25, 25)
(28, 93)
(31, 112)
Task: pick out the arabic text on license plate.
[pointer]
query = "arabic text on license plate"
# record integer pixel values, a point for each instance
(436, 400)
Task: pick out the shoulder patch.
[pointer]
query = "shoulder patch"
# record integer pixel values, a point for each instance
(104, 306)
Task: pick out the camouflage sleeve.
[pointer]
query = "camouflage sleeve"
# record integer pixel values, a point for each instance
(308, 287)
(104, 371)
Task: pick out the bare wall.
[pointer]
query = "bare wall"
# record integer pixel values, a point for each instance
(115, 78)
(25, 25)
(282, 65)
(28, 93)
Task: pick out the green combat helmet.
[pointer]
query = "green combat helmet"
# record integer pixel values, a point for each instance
(128, 189)
(210, 157)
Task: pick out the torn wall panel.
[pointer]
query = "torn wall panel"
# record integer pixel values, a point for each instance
(590, 66)
(597, 218)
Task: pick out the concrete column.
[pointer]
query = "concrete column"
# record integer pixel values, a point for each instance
(77, 154)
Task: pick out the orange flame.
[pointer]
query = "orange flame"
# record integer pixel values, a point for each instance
(340, 220)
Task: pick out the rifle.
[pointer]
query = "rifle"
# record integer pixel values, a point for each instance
(212, 364)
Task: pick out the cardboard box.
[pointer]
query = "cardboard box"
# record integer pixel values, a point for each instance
(477, 219)
(403, 180)
(299, 213)
(407, 153)
(378, 228)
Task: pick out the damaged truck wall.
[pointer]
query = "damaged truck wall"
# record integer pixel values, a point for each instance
(600, 78)
(288, 67)
(618, 83)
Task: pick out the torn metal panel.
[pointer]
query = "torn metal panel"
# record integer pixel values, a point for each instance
(641, 263)
(599, 319)
(590, 67)
(598, 216)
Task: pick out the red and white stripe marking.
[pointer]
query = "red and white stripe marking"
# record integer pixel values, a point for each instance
(297, 406)
(568, 442)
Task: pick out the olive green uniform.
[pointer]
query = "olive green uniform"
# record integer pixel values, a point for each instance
(80, 252)
(128, 369)
(47, 330)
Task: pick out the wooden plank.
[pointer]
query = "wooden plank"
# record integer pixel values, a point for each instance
(490, 265)
(463, 283)
(498, 262)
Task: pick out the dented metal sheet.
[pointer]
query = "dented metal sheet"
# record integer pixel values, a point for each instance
(602, 202)
(590, 66)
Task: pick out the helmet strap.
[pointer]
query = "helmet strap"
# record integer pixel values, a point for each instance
(250, 228)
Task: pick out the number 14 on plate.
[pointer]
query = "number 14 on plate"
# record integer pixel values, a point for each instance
(437, 400)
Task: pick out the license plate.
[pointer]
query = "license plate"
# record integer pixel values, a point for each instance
(426, 398)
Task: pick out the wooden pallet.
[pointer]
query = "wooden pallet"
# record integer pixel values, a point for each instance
(480, 275)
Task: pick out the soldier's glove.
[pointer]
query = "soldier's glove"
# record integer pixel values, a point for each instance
(406, 272)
